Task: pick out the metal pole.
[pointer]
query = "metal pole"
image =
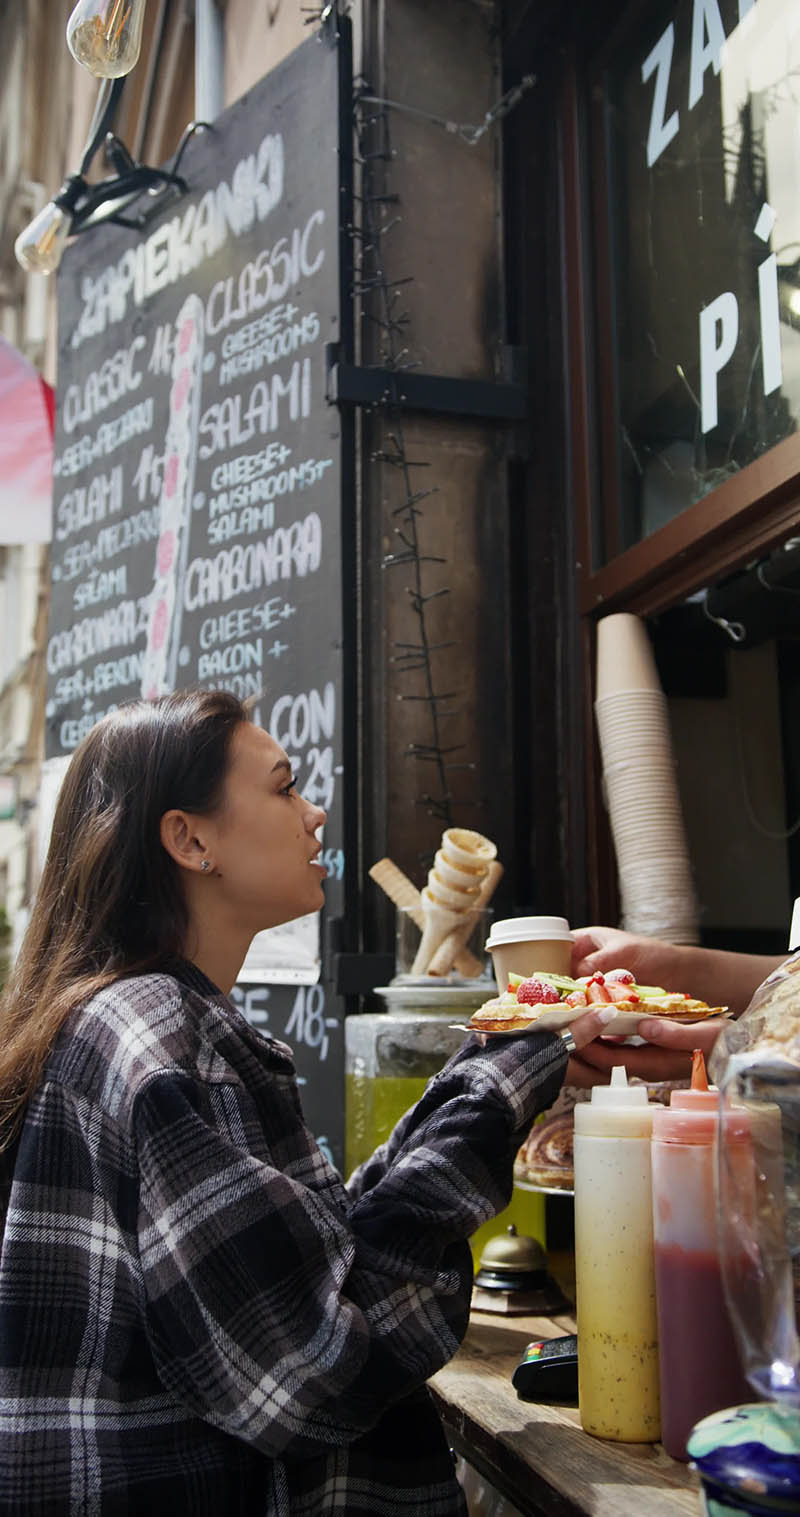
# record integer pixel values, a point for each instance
(209, 61)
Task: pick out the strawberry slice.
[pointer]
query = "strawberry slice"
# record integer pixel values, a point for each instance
(576, 998)
(620, 992)
(597, 993)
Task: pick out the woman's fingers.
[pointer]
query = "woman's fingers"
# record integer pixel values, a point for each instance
(591, 1024)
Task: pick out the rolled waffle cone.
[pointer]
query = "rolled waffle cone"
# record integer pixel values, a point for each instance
(460, 868)
(455, 874)
(453, 888)
(468, 850)
(398, 887)
(401, 890)
(438, 922)
(447, 954)
(455, 897)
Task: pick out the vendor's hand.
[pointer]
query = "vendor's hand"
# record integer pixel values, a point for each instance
(716, 975)
(666, 1055)
(597, 949)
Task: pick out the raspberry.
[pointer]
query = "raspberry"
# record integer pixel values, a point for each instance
(621, 977)
(537, 993)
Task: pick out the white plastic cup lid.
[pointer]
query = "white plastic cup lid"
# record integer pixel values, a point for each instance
(529, 929)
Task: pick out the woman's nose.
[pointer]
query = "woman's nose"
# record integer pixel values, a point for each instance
(315, 816)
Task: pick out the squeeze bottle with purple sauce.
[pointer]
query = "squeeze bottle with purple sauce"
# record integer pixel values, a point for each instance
(700, 1370)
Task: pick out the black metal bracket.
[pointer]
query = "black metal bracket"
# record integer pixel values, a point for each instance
(356, 974)
(352, 974)
(485, 400)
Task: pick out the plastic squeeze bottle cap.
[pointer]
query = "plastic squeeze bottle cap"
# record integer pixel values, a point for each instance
(692, 1115)
(618, 1110)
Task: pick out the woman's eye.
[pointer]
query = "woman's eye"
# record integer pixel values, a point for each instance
(287, 789)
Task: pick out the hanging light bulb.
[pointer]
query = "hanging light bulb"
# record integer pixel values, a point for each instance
(106, 35)
(40, 246)
(38, 249)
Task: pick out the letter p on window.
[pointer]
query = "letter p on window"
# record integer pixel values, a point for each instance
(719, 329)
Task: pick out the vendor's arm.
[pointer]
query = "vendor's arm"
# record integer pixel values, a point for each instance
(715, 975)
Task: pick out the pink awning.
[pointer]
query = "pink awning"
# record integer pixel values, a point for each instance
(26, 450)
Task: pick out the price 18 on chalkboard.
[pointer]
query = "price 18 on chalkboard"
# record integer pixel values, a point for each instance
(197, 512)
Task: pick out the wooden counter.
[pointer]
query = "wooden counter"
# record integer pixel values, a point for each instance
(539, 1456)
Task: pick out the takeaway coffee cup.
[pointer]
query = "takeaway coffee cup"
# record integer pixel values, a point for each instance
(521, 945)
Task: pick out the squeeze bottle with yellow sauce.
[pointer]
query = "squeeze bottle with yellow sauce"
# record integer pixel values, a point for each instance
(614, 1268)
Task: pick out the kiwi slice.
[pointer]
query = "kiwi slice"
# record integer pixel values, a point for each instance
(560, 981)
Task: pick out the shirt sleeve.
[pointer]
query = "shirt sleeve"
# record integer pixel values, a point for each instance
(290, 1322)
(528, 1071)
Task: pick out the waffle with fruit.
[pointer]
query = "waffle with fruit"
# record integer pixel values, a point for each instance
(527, 1001)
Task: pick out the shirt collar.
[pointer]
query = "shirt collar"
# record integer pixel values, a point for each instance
(190, 975)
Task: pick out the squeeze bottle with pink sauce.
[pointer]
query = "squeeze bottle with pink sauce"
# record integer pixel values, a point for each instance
(700, 1370)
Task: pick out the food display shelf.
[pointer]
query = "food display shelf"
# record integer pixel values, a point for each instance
(543, 1190)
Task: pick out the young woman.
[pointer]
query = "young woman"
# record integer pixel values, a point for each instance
(197, 1317)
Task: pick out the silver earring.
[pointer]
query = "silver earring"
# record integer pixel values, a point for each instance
(205, 864)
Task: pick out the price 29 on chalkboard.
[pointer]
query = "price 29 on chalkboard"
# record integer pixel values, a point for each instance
(197, 512)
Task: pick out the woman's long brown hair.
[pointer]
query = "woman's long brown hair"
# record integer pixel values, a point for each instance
(110, 901)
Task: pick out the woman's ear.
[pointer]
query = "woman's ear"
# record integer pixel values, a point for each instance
(179, 837)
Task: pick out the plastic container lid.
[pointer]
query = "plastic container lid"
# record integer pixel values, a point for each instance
(528, 930)
(751, 1453)
(618, 1110)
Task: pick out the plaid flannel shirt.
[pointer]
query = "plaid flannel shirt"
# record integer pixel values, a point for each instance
(197, 1316)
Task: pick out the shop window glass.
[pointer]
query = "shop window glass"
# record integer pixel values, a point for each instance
(702, 113)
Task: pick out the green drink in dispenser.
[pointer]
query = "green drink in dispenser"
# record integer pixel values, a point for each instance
(389, 1059)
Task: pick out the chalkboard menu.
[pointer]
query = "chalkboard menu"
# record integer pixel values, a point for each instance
(197, 514)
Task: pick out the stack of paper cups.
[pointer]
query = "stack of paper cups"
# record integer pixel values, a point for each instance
(655, 879)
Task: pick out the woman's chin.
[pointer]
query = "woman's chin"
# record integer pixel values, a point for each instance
(308, 908)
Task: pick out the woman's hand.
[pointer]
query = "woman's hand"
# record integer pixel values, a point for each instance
(666, 1054)
(585, 1030)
